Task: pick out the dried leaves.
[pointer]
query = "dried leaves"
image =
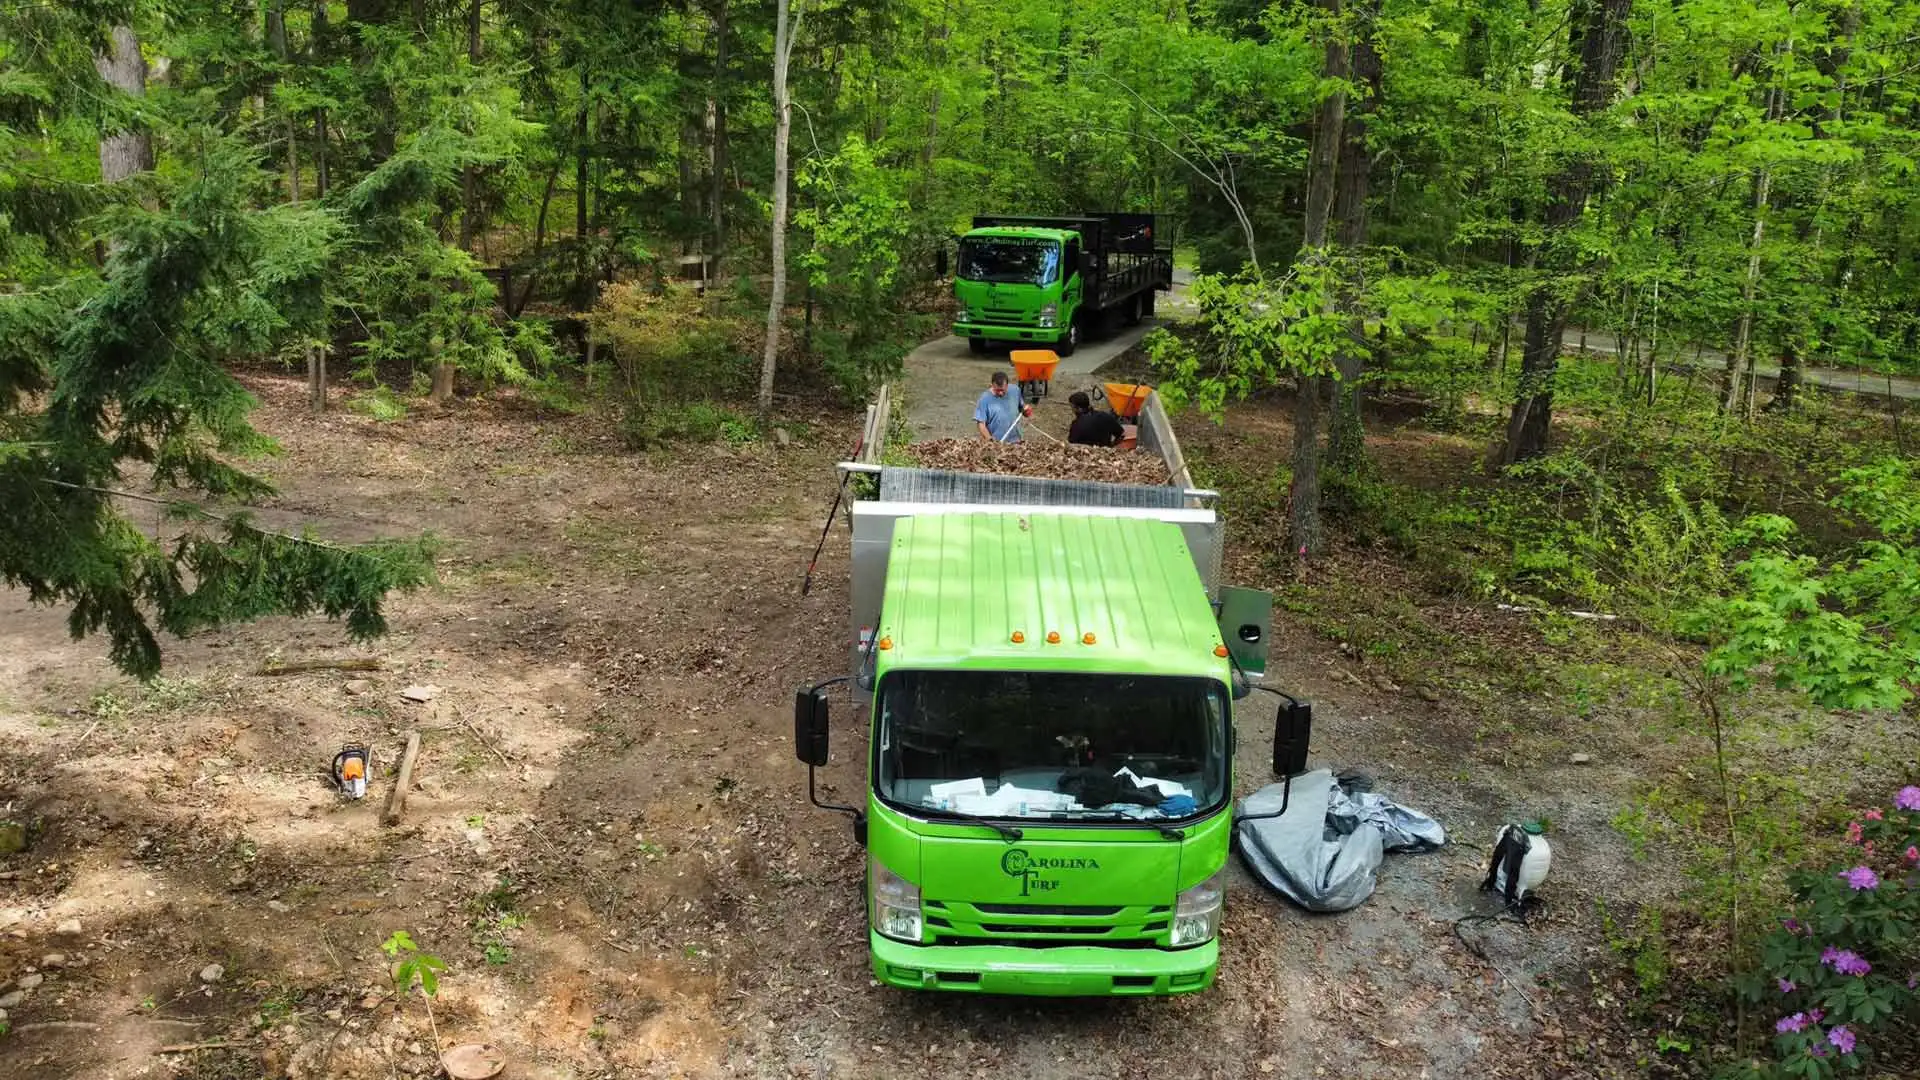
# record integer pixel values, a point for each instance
(1053, 460)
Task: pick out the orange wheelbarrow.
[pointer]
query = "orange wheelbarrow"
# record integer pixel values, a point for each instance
(1126, 399)
(1033, 370)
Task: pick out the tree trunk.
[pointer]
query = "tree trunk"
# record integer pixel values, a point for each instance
(717, 196)
(783, 35)
(1785, 390)
(124, 153)
(1598, 32)
(470, 176)
(276, 33)
(1303, 498)
(321, 182)
(1346, 441)
(442, 391)
(580, 194)
(317, 378)
(940, 38)
(380, 95)
(515, 307)
(1739, 359)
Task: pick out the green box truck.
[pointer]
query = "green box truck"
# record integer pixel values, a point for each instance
(1046, 281)
(1055, 684)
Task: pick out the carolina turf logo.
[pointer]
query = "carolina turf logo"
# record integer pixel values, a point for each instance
(1020, 863)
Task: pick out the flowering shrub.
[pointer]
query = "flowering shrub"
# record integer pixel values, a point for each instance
(1847, 959)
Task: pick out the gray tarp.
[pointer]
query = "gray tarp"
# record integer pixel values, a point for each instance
(1325, 851)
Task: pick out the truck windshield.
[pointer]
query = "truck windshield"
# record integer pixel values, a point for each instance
(1009, 260)
(1013, 744)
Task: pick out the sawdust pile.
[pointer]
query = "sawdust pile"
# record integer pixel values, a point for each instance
(1054, 461)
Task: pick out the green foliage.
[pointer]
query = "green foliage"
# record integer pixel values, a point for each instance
(674, 358)
(1252, 332)
(380, 403)
(1845, 630)
(1840, 964)
(858, 223)
(419, 301)
(135, 376)
(411, 966)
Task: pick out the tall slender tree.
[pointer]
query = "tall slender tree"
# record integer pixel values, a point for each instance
(1303, 498)
(1598, 29)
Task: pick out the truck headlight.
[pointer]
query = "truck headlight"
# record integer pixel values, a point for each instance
(1196, 915)
(896, 904)
(961, 314)
(1048, 313)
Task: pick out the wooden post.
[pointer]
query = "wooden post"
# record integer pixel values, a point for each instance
(397, 795)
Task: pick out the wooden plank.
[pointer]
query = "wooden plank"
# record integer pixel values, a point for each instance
(397, 795)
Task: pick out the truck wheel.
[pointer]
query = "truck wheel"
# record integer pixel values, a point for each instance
(1067, 344)
(977, 346)
(1146, 304)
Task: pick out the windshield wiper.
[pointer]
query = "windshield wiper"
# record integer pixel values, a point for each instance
(1007, 832)
(1095, 813)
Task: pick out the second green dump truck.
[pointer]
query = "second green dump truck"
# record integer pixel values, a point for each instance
(1055, 684)
(1047, 281)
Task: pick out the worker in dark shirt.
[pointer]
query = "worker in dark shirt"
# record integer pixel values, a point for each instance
(1092, 428)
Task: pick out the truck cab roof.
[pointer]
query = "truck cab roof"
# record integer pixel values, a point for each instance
(1022, 232)
(987, 591)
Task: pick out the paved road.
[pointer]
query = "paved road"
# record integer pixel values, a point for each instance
(1868, 383)
(943, 380)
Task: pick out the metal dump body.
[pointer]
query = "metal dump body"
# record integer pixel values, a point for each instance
(906, 492)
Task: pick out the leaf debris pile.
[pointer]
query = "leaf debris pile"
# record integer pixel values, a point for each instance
(1050, 460)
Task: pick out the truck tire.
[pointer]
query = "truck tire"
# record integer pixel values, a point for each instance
(1146, 304)
(1065, 346)
(977, 346)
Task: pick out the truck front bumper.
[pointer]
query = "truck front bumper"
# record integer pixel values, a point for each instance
(996, 332)
(1071, 971)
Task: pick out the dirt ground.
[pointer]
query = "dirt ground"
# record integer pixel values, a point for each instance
(610, 844)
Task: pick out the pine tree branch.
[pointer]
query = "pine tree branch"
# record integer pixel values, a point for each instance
(199, 513)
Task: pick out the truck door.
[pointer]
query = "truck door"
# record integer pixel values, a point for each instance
(1074, 282)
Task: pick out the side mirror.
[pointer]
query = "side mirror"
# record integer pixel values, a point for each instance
(1292, 729)
(810, 726)
(940, 262)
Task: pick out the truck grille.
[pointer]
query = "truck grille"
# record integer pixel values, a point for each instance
(1047, 909)
(1040, 926)
(1003, 317)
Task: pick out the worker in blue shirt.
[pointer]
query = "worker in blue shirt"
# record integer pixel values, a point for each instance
(998, 410)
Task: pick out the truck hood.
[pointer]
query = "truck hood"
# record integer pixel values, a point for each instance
(993, 301)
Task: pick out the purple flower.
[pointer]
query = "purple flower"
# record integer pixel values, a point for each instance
(1841, 1038)
(1908, 798)
(1816, 1015)
(1786, 986)
(1817, 1050)
(1796, 1022)
(1861, 877)
(1845, 961)
(1791, 926)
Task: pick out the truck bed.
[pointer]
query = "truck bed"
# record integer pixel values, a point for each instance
(905, 492)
